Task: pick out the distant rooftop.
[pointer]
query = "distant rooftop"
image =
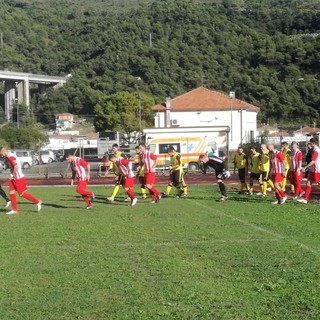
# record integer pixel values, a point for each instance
(203, 99)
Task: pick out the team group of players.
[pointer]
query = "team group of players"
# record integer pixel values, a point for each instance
(270, 167)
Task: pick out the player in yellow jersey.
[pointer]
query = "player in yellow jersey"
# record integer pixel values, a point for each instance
(255, 172)
(286, 154)
(176, 174)
(140, 174)
(119, 176)
(265, 168)
(241, 163)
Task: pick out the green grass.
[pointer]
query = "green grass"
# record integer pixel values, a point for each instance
(189, 258)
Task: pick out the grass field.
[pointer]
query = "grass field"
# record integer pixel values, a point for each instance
(189, 258)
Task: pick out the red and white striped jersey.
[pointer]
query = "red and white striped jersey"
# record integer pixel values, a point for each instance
(148, 160)
(316, 158)
(125, 167)
(13, 161)
(277, 161)
(295, 158)
(78, 166)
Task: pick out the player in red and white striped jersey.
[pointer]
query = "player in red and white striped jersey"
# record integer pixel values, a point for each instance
(81, 170)
(314, 173)
(277, 170)
(125, 169)
(149, 160)
(17, 182)
(295, 170)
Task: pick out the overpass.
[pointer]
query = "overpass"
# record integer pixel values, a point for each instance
(17, 87)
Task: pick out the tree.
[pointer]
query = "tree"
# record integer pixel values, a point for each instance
(26, 137)
(120, 112)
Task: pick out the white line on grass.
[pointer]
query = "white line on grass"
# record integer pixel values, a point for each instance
(187, 242)
(254, 226)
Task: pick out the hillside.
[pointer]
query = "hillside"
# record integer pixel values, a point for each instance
(173, 46)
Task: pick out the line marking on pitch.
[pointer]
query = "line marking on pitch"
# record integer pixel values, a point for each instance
(254, 226)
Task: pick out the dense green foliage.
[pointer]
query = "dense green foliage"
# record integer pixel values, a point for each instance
(256, 48)
(179, 259)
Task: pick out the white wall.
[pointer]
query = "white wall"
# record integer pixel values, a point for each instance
(248, 127)
(59, 144)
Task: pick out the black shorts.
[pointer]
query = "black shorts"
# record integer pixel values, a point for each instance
(141, 180)
(242, 173)
(176, 177)
(255, 176)
(265, 176)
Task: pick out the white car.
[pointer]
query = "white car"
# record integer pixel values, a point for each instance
(46, 156)
(25, 157)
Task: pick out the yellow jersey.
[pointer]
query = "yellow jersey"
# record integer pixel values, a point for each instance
(265, 162)
(175, 161)
(256, 163)
(240, 160)
(287, 160)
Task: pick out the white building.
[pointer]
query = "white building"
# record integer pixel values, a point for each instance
(204, 107)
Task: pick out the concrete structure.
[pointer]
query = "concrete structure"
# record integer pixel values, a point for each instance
(204, 107)
(17, 87)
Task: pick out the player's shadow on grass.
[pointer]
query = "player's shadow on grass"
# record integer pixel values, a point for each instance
(247, 198)
(54, 205)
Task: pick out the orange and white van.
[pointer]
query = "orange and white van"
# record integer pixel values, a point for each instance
(190, 142)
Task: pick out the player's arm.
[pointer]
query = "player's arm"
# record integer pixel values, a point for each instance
(73, 177)
(88, 171)
(15, 169)
(312, 162)
(155, 162)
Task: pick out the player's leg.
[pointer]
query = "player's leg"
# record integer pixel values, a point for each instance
(82, 190)
(3, 194)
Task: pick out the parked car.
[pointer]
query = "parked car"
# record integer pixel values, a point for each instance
(26, 158)
(47, 156)
(58, 155)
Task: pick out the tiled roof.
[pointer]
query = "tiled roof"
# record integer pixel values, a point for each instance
(267, 128)
(203, 99)
(279, 134)
(307, 130)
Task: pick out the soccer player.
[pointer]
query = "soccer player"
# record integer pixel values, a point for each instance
(219, 167)
(241, 163)
(119, 177)
(277, 168)
(17, 182)
(265, 167)
(295, 170)
(308, 158)
(314, 173)
(125, 169)
(176, 174)
(286, 155)
(5, 197)
(81, 170)
(140, 174)
(255, 172)
(149, 161)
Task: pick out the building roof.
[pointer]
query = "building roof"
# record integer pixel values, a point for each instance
(307, 130)
(279, 134)
(203, 99)
(267, 128)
